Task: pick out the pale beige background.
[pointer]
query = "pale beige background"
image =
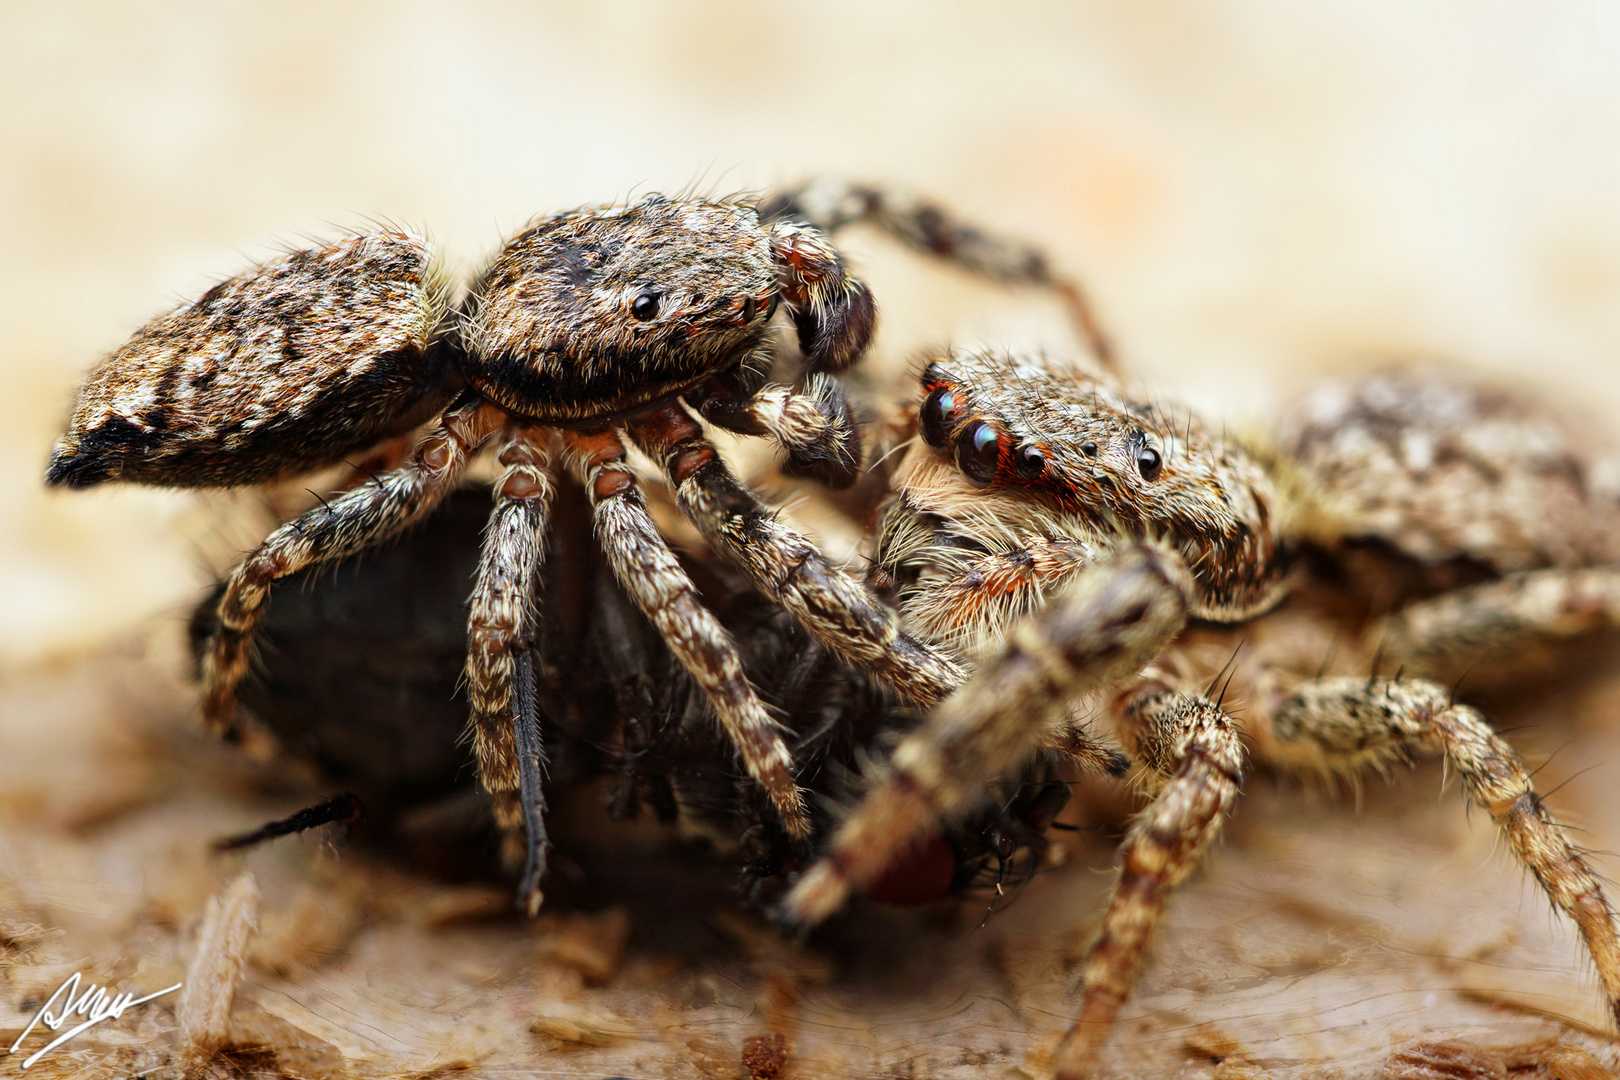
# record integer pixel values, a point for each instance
(1250, 188)
(1254, 191)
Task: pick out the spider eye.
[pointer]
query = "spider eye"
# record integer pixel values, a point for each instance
(977, 452)
(748, 309)
(1089, 449)
(1031, 462)
(645, 306)
(938, 414)
(1148, 463)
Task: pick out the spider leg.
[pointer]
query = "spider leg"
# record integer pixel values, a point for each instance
(833, 203)
(1491, 625)
(501, 626)
(383, 457)
(813, 425)
(786, 567)
(347, 524)
(649, 572)
(1195, 761)
(1111, 622)
(1345, 724)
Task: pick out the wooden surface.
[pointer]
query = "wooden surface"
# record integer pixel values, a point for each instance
(1319, 939)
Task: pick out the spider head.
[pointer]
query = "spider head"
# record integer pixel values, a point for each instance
(1033, 446)
(596, 314)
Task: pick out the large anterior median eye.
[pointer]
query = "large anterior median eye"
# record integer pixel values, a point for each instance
(938, 414)
(977, 452)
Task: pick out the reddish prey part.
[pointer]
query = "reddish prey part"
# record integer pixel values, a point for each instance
(920, 876)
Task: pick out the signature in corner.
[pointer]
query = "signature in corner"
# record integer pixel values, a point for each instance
(94, 1004)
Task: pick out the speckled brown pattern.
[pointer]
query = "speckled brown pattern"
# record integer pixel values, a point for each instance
(279, 370)
(1060, 530)
(1443, 470)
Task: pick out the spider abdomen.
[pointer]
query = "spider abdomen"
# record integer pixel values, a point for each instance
(279, 370)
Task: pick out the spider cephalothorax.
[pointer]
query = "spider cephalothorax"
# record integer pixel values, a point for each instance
(1028, 472)
(594, 315)
(1092, 556)
(588, 330)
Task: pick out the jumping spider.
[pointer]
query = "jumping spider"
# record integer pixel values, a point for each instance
(1089, 551)
(588, 330)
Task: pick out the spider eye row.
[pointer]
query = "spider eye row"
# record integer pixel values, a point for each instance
(979, 447)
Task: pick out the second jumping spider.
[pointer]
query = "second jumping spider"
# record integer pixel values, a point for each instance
(588, 330)
(1086, 549)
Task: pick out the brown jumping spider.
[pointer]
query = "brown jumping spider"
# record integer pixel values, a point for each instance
(587, 330)
(1086, 549)
(1071, 539)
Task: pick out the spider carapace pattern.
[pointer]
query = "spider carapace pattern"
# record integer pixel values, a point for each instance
(1089, 551)
(588, 331)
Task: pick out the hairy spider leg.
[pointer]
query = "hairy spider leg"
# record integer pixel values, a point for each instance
(531, 755)
(1496, 621)
(350, 523)
(832, 203)
(1110, 622)
(649, 572)
(1347, 724)
(787, 568)
(812, 424)
(963, 597)
(1193, 761)
(502, 622)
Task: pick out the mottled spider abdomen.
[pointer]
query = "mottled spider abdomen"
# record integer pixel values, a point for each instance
(1444, 470)
(278, 370)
